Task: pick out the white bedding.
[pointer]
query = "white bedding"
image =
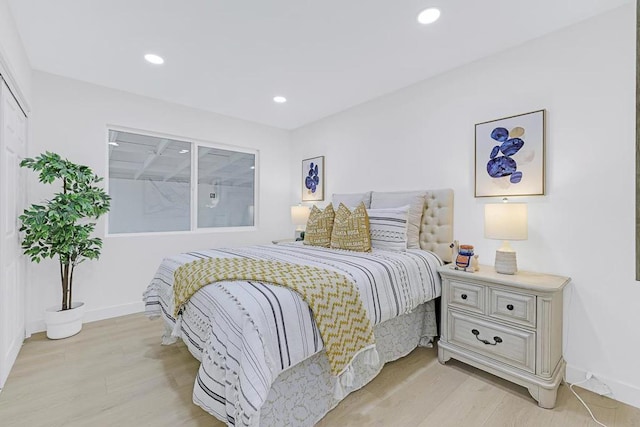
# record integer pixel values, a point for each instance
(247, 333)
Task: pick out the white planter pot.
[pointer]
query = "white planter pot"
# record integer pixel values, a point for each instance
(64, 323)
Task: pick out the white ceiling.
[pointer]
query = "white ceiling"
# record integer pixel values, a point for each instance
(233, 56)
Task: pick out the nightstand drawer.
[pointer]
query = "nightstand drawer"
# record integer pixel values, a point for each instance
(513, 307)
(512, 346)
(467, 296)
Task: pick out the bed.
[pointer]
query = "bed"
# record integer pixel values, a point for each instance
(262, 357)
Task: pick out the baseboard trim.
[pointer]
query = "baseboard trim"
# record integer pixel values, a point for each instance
(600, 384)
(94, 315)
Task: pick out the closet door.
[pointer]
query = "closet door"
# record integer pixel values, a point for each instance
(12, 202)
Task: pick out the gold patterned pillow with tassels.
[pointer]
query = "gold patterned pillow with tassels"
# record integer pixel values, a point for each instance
(351, 229)
(319, 227)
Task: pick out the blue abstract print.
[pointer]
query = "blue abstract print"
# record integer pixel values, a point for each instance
(504, 165)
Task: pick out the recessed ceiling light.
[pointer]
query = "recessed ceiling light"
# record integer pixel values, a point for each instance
(252, 167)
(279, 99)
(183, 151)
(115, 144)
(429, 16)
(154, 59)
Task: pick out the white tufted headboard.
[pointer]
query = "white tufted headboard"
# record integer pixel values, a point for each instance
(436, 232)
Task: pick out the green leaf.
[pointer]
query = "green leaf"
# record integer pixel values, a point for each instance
(57, 227)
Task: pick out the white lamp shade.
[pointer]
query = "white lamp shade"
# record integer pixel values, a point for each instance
(299, 215)
(505, 221)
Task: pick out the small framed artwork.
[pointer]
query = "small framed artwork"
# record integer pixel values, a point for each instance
(313, 179)
(509, 156)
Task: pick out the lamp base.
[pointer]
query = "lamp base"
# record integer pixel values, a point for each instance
(506, 262)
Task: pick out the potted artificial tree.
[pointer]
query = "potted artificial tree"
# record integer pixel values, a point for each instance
(61, 227)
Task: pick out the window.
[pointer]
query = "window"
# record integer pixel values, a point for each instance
(150, 183)
(225, 188)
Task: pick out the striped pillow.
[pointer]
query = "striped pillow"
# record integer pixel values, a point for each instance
(319, 227)
(415, 200)
(389, 228)
(351, 229)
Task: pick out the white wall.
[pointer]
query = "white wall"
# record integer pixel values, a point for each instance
(13, 58)
(71, 118)
(423, 137)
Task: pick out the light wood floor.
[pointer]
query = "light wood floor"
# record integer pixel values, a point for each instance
(116, 373)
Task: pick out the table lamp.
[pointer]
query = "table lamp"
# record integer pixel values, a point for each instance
(505, 221)
(299, 217)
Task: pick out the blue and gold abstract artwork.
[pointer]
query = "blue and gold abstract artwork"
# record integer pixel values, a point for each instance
(510, 156)
(313, 179)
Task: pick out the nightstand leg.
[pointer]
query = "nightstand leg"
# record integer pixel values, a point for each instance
(546, 398)
(443, 357)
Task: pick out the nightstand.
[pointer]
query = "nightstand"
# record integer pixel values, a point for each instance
(276, 242)
(507, 325)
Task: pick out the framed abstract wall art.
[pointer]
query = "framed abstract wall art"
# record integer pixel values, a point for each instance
(509, 157)
(313, 179)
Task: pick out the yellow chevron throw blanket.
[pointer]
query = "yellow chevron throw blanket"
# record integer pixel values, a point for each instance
(341, 318)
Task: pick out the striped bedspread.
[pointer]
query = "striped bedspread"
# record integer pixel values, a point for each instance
(246, 333)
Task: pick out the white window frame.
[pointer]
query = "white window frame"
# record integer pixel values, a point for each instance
(193, 188)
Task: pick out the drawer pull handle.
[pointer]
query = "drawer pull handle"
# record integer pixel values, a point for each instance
(487, 342)
(463, 296)
(509, 307)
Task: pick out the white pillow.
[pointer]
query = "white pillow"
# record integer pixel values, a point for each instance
(351, 200)
(388, 228)
(415, 200)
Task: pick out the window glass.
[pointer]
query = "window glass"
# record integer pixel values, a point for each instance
(149, 183)
(226, 188)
